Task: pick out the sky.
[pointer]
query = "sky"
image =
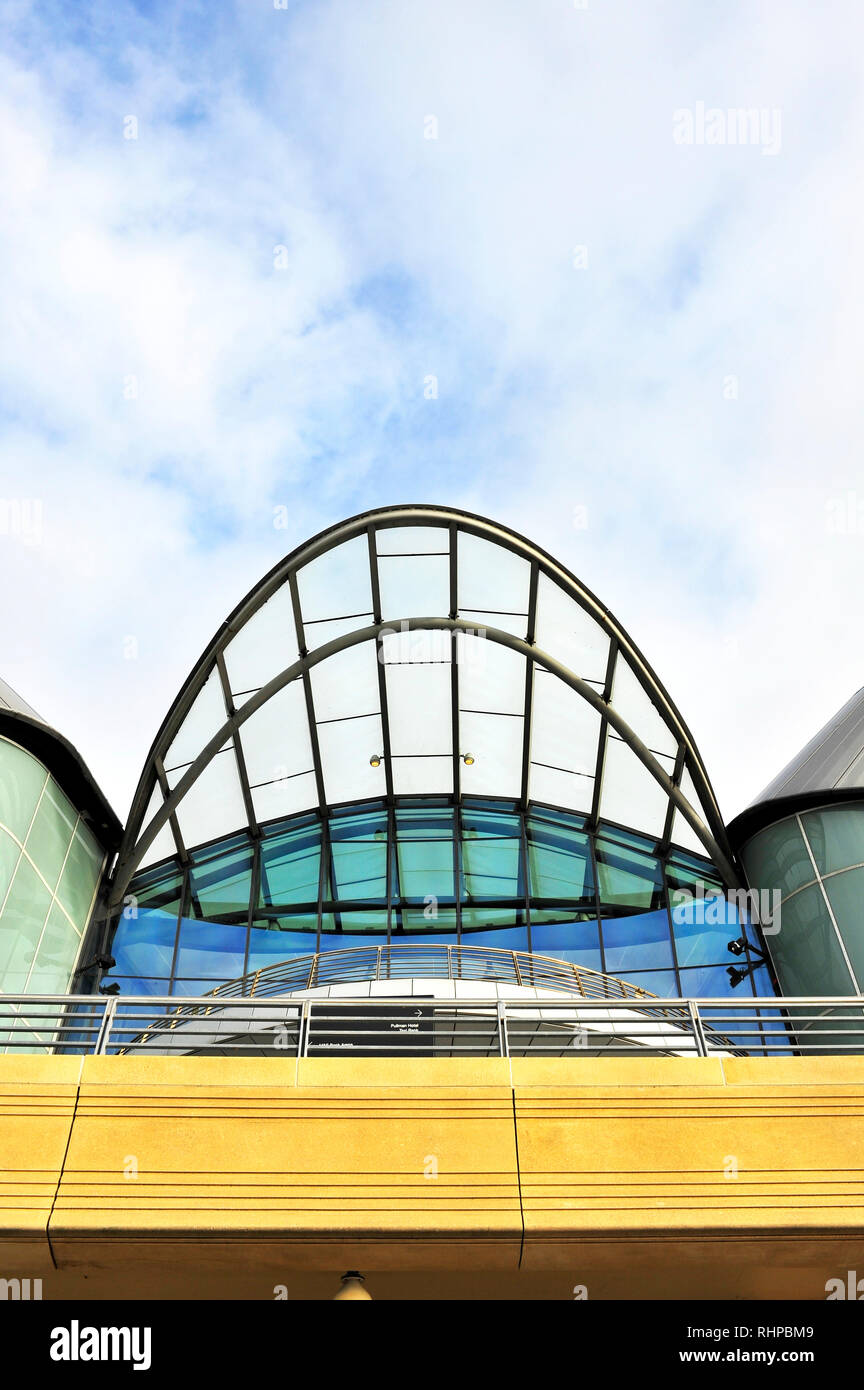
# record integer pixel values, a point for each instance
(266, 265)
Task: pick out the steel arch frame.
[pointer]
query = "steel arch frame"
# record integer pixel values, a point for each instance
(711, 835)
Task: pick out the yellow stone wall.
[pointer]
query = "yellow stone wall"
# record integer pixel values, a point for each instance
(523, 1178)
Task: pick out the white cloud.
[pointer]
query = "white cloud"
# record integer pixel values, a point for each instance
(708, 530)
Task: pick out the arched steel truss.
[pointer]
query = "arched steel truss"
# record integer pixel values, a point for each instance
(139, 837)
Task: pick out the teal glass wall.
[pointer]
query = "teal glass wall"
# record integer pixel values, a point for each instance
(50, 865)
(482, 874)
(816, 861)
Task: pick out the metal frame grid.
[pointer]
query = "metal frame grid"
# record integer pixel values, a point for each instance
(139, 836)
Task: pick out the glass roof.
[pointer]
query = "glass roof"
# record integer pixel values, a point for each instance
(412, 651)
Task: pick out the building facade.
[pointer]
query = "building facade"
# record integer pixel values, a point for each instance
(399, 963)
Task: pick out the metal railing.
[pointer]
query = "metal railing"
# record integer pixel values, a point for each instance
(429, 1027)
(428, 961)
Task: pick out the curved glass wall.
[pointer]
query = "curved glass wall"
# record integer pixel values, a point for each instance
(816, 861)
(419, 652)
(50, 865)
(480, 873)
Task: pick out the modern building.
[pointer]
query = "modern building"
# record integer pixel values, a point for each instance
(803, 837)
(399, 966)
(57, 837)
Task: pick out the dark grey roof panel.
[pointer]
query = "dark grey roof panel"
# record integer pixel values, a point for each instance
(832, 761)
(829, 768)
(10, 699)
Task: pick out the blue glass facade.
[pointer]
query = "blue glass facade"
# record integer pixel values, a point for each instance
(482, 874)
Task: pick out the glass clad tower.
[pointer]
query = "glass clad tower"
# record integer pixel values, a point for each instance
(419, 727)
(803, 838)
(56, 831)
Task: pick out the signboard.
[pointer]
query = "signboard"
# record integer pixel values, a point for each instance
(371, 1030)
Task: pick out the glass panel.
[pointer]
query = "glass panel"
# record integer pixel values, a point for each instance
(414, 586)
(337, 583)
(481, 620)
(213, 805)
(663, 983)
(629, 794)
(634, 704)
(684, 835)
(141, 984)
(206, 714)
(628, 877)
(491, 677)
(9, 852)
(278, 799)
(80, 876)
(414, 690)
(777, 857)
(210, 951)
(346, 685)
(422, 776)
(565, 729)
(163, 845)
(577, 942)
(491, 577)
(711, 981)
(264, 646)
(836, 836)
(50, 833)
(430, 920)
(159, 890)
(494, 741)
(491, 934)
(290, 866)
(806, 951)
(568, 633)
(275, 739)
(703, 928)
(637, 942)
(846, 896)
(195, 987)
(23, 919)
(554, 788)
(491, 855)
(432, 646)
(559, 863)
(21, 781)
(350, 939)
(762, 986)
(56, 956)
(412, 540)
(359, 855)
(682, 832)
(219, 888)
(346, 748)
(270, 947)
(425, 855)
(318, 634)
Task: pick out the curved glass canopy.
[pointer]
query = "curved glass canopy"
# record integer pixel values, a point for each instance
(418, 651)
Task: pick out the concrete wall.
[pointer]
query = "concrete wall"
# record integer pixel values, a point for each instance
(258, 1173)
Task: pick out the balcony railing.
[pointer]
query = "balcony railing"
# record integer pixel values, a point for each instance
(428, 961)
(381, 1026)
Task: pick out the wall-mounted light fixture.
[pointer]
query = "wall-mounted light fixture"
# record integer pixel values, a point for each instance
(353, 1286)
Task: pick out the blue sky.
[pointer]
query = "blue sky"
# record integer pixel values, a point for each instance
(240, 309)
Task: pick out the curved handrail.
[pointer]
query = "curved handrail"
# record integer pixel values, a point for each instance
(402, 961)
